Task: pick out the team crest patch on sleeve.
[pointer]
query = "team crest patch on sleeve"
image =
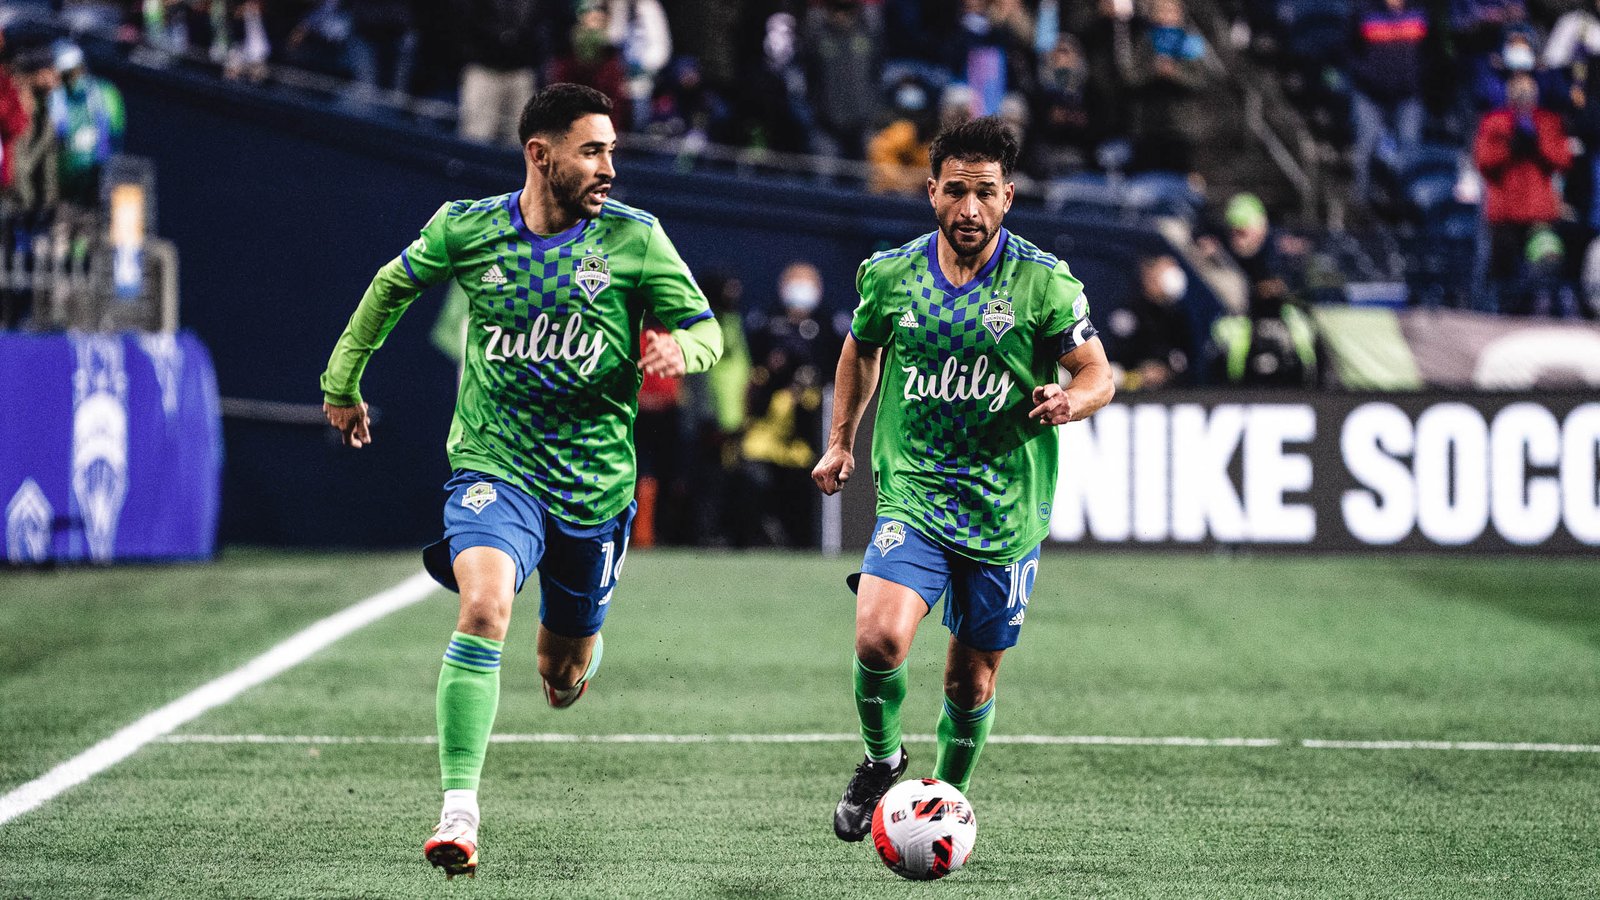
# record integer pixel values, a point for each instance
(593, 275)
(998, 317)
(478, 496)
(890, 536)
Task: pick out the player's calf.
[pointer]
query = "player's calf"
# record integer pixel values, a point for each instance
(561, 698)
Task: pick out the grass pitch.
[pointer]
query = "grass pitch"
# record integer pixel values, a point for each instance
(1119, 645)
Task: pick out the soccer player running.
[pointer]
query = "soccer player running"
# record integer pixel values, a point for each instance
(558, 277)
(967, 325)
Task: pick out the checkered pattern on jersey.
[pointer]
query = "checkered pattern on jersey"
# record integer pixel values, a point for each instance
(560, 434)
(963, 490)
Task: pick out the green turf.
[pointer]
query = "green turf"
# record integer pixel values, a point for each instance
(1488, 649)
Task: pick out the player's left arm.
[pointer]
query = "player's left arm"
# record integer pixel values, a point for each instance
(1072, 339)
(695, 342)
(1090, 388)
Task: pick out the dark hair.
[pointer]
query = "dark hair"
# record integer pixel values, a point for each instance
(554, 109)
(988, 139)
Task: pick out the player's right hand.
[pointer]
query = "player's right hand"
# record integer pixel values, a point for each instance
(833, 470)
(351, 422)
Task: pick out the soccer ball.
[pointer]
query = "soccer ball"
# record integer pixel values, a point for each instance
(923, 829)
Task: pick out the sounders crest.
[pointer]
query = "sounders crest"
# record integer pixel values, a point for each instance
(478, 496)
(998, 317)
(890, 536)
(593, 276)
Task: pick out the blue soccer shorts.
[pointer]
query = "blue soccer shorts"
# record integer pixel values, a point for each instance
(984, 604)
(578, 565)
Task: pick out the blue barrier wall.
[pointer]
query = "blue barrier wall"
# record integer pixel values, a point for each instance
(282, 211)
(110, 448)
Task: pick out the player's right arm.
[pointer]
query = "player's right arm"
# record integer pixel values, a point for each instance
(418, 267)
(853, 384)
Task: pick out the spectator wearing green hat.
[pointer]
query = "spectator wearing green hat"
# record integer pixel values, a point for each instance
(1249, 241)
(1275, 344)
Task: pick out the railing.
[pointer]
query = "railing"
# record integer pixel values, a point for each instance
(62, 277)
(1269, 116)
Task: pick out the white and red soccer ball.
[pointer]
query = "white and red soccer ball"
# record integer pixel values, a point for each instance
(923, 829)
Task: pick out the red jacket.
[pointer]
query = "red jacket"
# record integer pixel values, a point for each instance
(1519, 184)
(14, 121)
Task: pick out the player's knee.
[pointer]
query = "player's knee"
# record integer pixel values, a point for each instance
(880, 652)
(484, 614)
(969, 690)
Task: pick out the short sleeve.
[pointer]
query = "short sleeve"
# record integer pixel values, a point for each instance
(1066, 325)
(427, 260)
(869, 324)
(672, 293)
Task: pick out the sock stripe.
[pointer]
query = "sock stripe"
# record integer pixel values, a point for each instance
(966, 715)
(473, 652)
(474, 665)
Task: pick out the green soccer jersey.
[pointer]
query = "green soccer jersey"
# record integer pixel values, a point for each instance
(551, 382)
(953, 450)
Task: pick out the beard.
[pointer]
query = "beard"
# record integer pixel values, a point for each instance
(965, 246)
(571, 192)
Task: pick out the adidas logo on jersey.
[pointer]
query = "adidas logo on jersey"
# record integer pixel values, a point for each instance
(908, 320)
(494, 276)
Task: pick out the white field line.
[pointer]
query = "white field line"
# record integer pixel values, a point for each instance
(819, 738)
(1525, 746)
(157, 724)
(843, 738)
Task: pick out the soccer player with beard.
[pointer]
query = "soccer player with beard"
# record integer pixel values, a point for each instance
(967, 326)
(559, 278)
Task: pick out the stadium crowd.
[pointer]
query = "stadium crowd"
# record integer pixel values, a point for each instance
(59, 127)
(1462, 124)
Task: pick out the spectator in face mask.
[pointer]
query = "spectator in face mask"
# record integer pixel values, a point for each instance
(1519, 150)
(795, 339)
(793, 356)
(1519, 55)
(1150, 341)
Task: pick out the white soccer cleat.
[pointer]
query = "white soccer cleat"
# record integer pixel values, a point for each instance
(454, 845)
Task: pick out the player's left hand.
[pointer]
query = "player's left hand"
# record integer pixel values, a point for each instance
(662, 355)
(1052, 405)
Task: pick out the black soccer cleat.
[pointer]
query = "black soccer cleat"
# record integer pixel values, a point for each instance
(853, 819)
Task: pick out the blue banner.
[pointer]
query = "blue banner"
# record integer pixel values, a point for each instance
(110, 447)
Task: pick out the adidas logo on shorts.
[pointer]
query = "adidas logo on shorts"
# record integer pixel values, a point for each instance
(1017, 619)
(494, 275)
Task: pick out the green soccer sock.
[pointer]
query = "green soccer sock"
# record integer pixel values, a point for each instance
(878, 699)
(962, 734)
(469, 693)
